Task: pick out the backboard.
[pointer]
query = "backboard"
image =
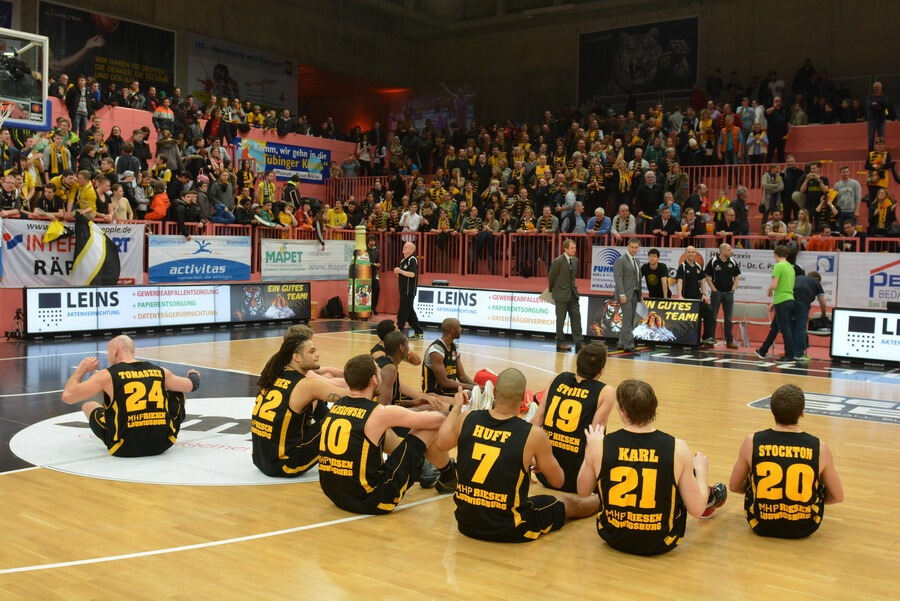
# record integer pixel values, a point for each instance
(24, 62)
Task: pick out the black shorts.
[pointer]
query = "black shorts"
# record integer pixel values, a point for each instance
(400, 470)
(142, 447)
(541, 514)
(304, 456)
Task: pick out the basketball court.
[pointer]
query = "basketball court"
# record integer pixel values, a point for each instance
(201, 522)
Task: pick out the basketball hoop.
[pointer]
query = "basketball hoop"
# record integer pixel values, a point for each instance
(6, 110)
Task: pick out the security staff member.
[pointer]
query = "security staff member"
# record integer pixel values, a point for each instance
(723, 275)
(691, 283)
(408, 280)
(143, 404)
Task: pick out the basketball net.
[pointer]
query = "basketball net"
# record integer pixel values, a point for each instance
(6, 110)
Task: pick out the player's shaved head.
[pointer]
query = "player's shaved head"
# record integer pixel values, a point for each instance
(510, 388)
(449, 325)
(122, 343)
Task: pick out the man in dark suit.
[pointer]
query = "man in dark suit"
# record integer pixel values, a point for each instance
(627, 276)
(565, 296)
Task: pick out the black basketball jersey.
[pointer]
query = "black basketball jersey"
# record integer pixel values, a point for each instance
(138, 422)
(348, 460)
(378, 348)
(275, 427)
(429, 380)
(571, 406)
(493, 482)
(382, 362)
(785, 497)
(641, 510)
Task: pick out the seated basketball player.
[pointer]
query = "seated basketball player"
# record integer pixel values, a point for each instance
(288, 413)
(787, 476)
(352, 472)
(573, 402)
(329, 373)
(385, 327)
(442, 370)
(143, 403)
(495, 449)
(394, 392)
(648, 480)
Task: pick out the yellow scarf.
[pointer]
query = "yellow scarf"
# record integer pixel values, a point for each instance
(56, 153)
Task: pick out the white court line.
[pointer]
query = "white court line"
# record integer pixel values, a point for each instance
(215, 543)
(24, 469)
(3, 396)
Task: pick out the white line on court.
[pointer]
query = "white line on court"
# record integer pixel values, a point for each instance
(215, 543)
(3, 396)
(23, 469)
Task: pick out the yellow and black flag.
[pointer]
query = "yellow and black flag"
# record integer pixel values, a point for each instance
(96, 256)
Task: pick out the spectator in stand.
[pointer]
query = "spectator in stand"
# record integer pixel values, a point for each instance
(243, 211)
(804, 225)
(647, 200)
(599, 224)
(286, 216)
(669, 202)
(11, 206)
(57, 158)
(623, 224)
(882, 214)
(159, 204)
(691, 225)
(813, 185)
(792, 198)
(826, 212)
(663, 226)
(849, 197)
(574, 221)
(822, 241)
(115, 142)
(265, 190)
(141, 150)
(548, 223)
(729, 226)
(772, 189)
(221, 214)
(79, 105)
(255, 117)
(798, 115)
(878, 110)
(336, 218)
(757, 145)
(164, 116)
(222, 191)
(729, 149)
(184, 210)
(9, 154)
(879, 165)
(719, 206)
(217, 128)
(848, 230)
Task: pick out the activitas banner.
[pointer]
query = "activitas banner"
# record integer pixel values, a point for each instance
(200, 259)
(107, 48)
(28, 261)
(311, 164)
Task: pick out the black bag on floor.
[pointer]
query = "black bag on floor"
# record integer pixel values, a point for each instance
(334, 308)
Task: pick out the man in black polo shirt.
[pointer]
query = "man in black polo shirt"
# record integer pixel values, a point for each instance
(408, 279)
(656, 275)
(723, 274)
(807, 288)
(692, 284)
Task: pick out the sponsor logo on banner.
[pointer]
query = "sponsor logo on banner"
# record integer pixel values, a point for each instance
(603, 258)
(499, 309)
(265, 302)
(667, 320)
(305, 259)
(847, 407)
(29, 261)
(201, 259)
(868, 280)
(865, 334)
(213, 449)
(311, 164)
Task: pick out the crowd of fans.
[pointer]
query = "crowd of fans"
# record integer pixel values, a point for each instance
(595, 173)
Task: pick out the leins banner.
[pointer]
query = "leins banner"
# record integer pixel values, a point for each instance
(305, 259)
(108, 48)
(200, 259)
(311, 164)
(28, 261)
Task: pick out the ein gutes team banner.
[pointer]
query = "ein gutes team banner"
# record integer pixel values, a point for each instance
(29, 261)
(311, 164)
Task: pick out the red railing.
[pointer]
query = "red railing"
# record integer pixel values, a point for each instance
(882, 245)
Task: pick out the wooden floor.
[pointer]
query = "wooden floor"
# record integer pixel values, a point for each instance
(87, 525)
